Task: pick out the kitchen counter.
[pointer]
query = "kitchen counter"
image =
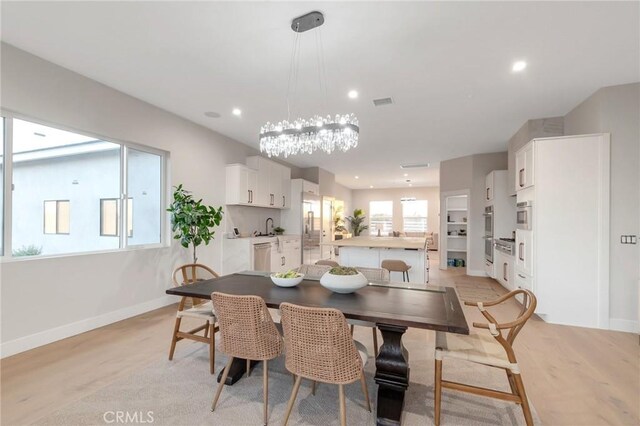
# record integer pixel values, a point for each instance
(414, 243)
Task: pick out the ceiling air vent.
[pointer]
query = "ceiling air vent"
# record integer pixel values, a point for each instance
(415, 166)
(382, 101)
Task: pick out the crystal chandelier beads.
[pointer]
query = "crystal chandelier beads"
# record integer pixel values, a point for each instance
(306, 136)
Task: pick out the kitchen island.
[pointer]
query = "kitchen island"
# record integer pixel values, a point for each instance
(369, 252)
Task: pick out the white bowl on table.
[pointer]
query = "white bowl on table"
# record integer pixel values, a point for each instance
(343, 283)
(287, 282)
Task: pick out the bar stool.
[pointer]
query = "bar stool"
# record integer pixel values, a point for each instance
(393, 265)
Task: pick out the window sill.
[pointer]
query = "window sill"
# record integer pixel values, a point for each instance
(7, 259)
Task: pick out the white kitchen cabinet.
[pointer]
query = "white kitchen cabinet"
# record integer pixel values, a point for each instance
(524, 251)
(287, 256)
(273, 185)
(241, 182)
(310, 187)
(504, 269)
(525, 167)
(489, 187)
(285, 176)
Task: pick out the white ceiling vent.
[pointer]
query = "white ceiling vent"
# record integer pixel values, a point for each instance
(415, 166)
(382, 101)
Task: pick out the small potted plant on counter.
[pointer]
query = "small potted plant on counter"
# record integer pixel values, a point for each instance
(343, 279)
(278, 230)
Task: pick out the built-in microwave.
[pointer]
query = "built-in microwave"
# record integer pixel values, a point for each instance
(523, 215)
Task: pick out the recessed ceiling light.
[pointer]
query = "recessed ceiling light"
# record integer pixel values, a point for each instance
(519, 66)
(410, 184)
(357, 177)
(370, 186)
(406, 174)
(353, 94)
(212, 114)
(237, 112)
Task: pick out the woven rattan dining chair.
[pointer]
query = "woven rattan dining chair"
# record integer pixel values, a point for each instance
(327, 262)
(488, 348)
(372, 274)
(246, 331)
(313, 271)
(195, 308)
(319, 347)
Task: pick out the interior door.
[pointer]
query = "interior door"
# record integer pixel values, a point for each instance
(327, 228)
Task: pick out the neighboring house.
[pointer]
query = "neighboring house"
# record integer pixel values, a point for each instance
(66, 198)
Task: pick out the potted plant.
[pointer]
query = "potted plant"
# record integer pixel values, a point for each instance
(278, 230)
(343, 279)
(356, 222)
(191, 221)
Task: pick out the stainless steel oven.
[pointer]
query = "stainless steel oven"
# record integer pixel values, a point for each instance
(488, 221)
(488, 249)
(523, 215)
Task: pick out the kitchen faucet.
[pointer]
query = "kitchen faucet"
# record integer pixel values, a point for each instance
(266, 226)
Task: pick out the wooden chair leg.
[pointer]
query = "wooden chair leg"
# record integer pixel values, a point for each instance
(365, 391)
(212, 349)
(248, 367)
(375, 341)
(343, 408)
(265, 391)
(206, 330)
(437, 393)
(512, 384)
(408, 279)
(313, 388)
(292, 399)
(352, 327)
(225, 373)
(517, 378)
(174, 340)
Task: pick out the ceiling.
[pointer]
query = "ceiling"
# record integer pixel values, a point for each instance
(447, 67)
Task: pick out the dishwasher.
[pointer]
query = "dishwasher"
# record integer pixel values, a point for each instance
(262, 257)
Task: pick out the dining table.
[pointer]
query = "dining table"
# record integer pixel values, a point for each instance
(392, 306)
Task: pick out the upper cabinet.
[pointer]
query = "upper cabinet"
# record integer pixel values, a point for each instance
(261, 183)
(241, 185)
(524, 167)
(310, 187)
(489, 187)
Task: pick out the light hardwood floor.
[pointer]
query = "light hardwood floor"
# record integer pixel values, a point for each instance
(574, 376)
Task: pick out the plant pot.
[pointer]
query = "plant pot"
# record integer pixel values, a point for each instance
(343, 283)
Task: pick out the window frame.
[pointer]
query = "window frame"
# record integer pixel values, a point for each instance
(426, 218)
(129, 217)
(44, 218)
(165, 231)
(372, 231)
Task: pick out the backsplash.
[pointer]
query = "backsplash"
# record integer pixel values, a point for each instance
(249, 219)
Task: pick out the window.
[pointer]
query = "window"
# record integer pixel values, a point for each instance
(414, 215)
(144, 183)
(110, 217)
(65, 168)
(2, 186)
(56, 217)
(380, 217)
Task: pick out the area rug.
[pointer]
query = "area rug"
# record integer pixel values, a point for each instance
(179, 392)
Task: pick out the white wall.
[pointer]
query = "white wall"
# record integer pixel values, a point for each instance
(362, 197)
(50, 298)
(616, 110)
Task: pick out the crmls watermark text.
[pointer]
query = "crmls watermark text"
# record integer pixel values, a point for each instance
(128, 417)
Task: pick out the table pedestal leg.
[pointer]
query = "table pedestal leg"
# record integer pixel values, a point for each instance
(237, 370)
(392, 375)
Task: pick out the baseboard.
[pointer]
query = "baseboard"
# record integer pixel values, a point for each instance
(477, 273)
(35, 340)
(628, 326)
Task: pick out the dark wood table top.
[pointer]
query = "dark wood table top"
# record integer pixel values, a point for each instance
(434, 310)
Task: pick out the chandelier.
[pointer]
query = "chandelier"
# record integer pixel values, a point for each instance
(317, 133)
